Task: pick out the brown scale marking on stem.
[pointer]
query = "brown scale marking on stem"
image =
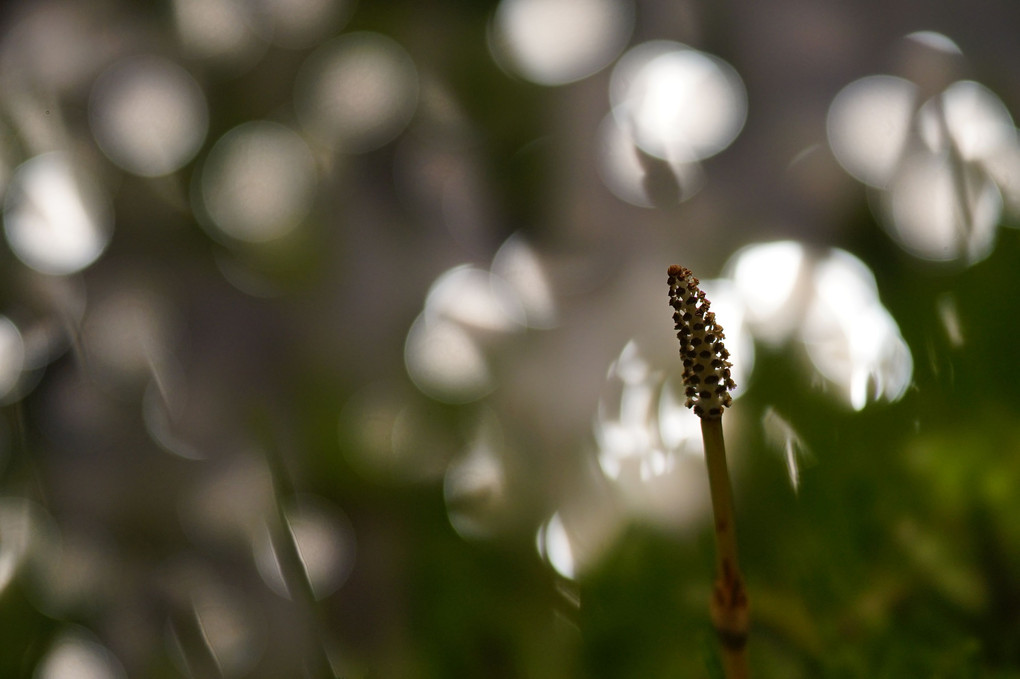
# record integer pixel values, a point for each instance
(733, 641)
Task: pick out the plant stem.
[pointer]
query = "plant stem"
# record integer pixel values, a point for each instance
(729, 605)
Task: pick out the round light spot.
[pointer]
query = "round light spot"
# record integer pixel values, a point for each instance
(357, 92)
(731, 312)
(148, 115)
(765, 276)
(679, 431)
(75, 655)
(677, 103)
(517, 263)
(218, 30)
(258, 182)
(637, 177)
(445, 362)
(850, 337)
(625, 429)
(54, 221)
(939, 211)
(646, 451)
(475, 298)
(868, 124)
(978, 122)
(554, 42)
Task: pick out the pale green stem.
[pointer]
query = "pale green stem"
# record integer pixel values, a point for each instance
(729, 606)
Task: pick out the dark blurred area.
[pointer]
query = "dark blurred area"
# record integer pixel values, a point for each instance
(334, 338)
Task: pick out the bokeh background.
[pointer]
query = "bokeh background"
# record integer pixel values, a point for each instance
(334, 336)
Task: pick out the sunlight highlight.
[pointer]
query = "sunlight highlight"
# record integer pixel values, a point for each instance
(851, 338)
(148, 115)
(217, 30)
(642, 419)
(973, 116)
(945, 203)
(623, 430)
(356, 92)
(55, 222)
(935, 41)
(554, 545)
(467, 311)
(657, 478)
(445, 362)
(76, 655)
(868, 126)
(580, 532)
(258, 182)
(766, 278)
(944, 166)
(677, 103)
(671, 107)
(830, 303)
(476, 299)
(940, 211)
(518, 265)
(639, 178)
(731, 312)
(555, 42)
